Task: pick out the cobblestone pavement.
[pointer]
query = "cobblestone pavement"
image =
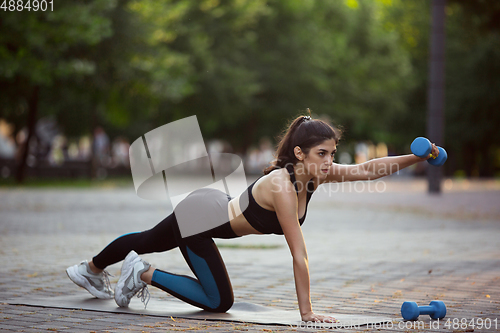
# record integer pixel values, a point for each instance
(368, 253)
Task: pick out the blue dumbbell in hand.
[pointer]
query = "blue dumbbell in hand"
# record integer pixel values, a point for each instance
(422, 147)
(411, 311)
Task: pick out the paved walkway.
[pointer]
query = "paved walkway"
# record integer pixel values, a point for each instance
(369, 252)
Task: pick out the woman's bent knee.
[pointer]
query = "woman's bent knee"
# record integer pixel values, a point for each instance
(224, 306)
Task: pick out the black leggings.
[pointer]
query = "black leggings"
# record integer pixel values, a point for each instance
(212, 291)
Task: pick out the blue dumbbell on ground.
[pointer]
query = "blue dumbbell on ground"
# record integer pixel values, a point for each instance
(422, 147)
(411, 311)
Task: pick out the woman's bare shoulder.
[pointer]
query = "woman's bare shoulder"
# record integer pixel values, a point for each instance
(277, 182)
(275, 178)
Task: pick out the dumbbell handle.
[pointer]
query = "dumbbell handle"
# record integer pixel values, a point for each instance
(426, 309)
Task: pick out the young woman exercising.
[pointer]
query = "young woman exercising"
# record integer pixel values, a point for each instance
(277, 204)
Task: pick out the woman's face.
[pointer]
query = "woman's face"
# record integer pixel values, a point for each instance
(320, 158)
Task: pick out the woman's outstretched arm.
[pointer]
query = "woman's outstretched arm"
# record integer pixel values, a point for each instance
(373, 169)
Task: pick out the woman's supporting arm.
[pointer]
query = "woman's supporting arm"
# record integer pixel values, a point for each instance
(285, 205)
(302, 284)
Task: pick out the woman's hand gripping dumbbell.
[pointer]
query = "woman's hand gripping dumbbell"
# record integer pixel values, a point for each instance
(424, 149)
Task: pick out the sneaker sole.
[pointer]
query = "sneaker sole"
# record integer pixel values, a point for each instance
(126, 270)
(83, 283)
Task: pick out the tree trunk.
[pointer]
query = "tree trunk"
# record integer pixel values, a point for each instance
(32, 115)
(435, 113)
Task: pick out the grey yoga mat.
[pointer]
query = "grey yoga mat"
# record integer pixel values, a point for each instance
(239, 312)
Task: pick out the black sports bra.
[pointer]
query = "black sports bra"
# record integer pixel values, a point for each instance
(266, 221)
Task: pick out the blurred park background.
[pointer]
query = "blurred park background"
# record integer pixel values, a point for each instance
(80, 83)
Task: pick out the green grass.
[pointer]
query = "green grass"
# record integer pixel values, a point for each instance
(67, 183)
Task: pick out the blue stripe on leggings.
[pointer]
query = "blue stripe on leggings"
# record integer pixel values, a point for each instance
(130, 233)
(205, 293)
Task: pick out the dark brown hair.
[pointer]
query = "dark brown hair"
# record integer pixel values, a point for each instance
(304, 132)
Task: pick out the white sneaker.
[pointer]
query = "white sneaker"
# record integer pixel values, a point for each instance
(130, 282)
(96, 284)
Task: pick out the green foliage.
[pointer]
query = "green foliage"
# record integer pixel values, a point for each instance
(473, 82)
(472, 79)
(409, 21)
(253, 64)
(34, 45)
(244, 67)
